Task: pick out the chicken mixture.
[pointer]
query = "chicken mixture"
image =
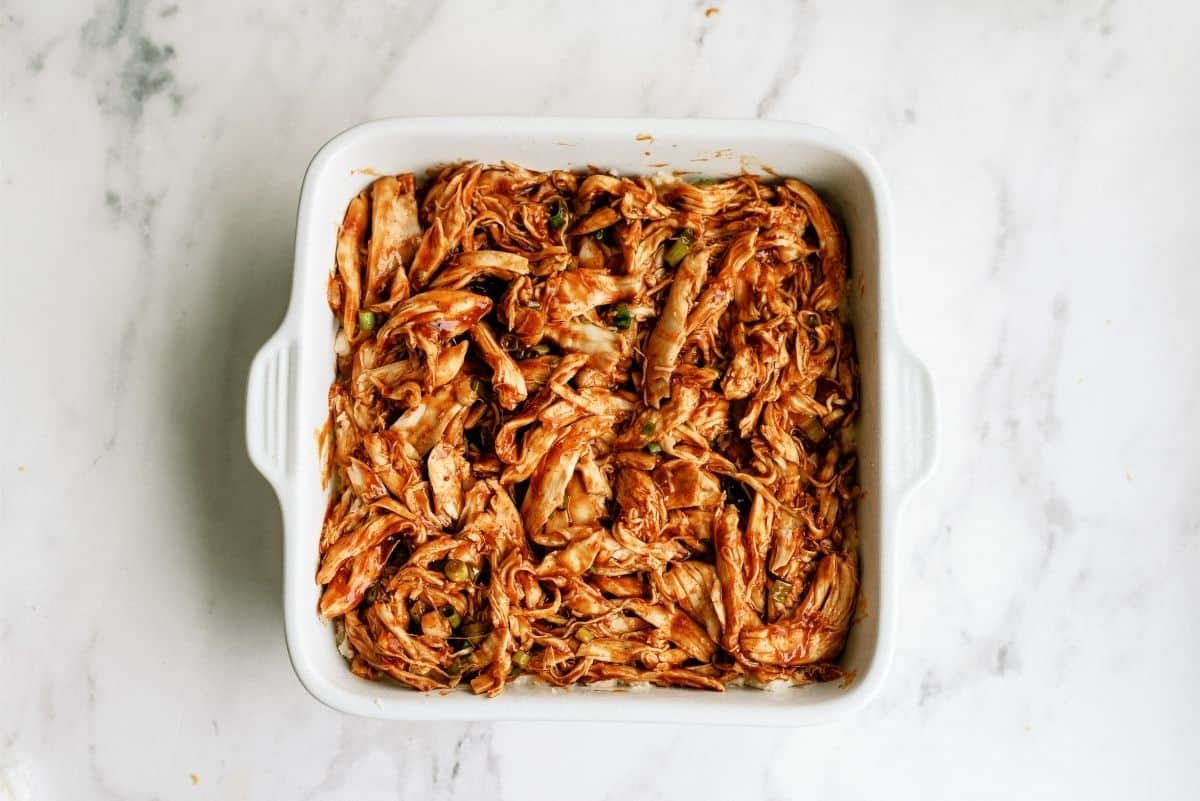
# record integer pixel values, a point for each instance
(589, 428)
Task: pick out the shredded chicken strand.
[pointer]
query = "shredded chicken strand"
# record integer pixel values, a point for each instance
(590, 428)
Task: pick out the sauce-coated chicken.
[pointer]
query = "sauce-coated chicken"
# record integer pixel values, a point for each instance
(589, 428)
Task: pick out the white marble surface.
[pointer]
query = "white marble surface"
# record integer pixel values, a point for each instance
(1043, 161)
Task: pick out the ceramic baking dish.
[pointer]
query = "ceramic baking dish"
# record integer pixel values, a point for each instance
(290, 377)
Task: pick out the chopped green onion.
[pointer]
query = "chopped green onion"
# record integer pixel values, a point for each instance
(676, 252)
(654, 448)
(520, 659)
(623, 318)
(687, 235)
(372, 594)
(455, 619)
(456, 570)
(366, 320)
(510, 342)
(558, 216)
(584, 635)
(647, 429)
(599, 235)
(705, 181)
(540, 349)
(780, 591)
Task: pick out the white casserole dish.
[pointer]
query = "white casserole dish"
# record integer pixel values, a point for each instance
(290, 377)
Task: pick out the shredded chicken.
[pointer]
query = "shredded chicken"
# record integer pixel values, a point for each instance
(590, 429)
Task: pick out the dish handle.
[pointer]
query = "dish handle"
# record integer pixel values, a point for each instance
(918, 419)
(267, 407)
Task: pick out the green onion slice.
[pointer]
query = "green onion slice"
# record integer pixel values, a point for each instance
(558, 216)
(623, 318)
(456, 570)
(676, 252)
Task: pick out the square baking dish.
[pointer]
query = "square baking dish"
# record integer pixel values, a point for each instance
(291, 374)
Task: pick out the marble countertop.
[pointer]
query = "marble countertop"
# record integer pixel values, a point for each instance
(1043, 163)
